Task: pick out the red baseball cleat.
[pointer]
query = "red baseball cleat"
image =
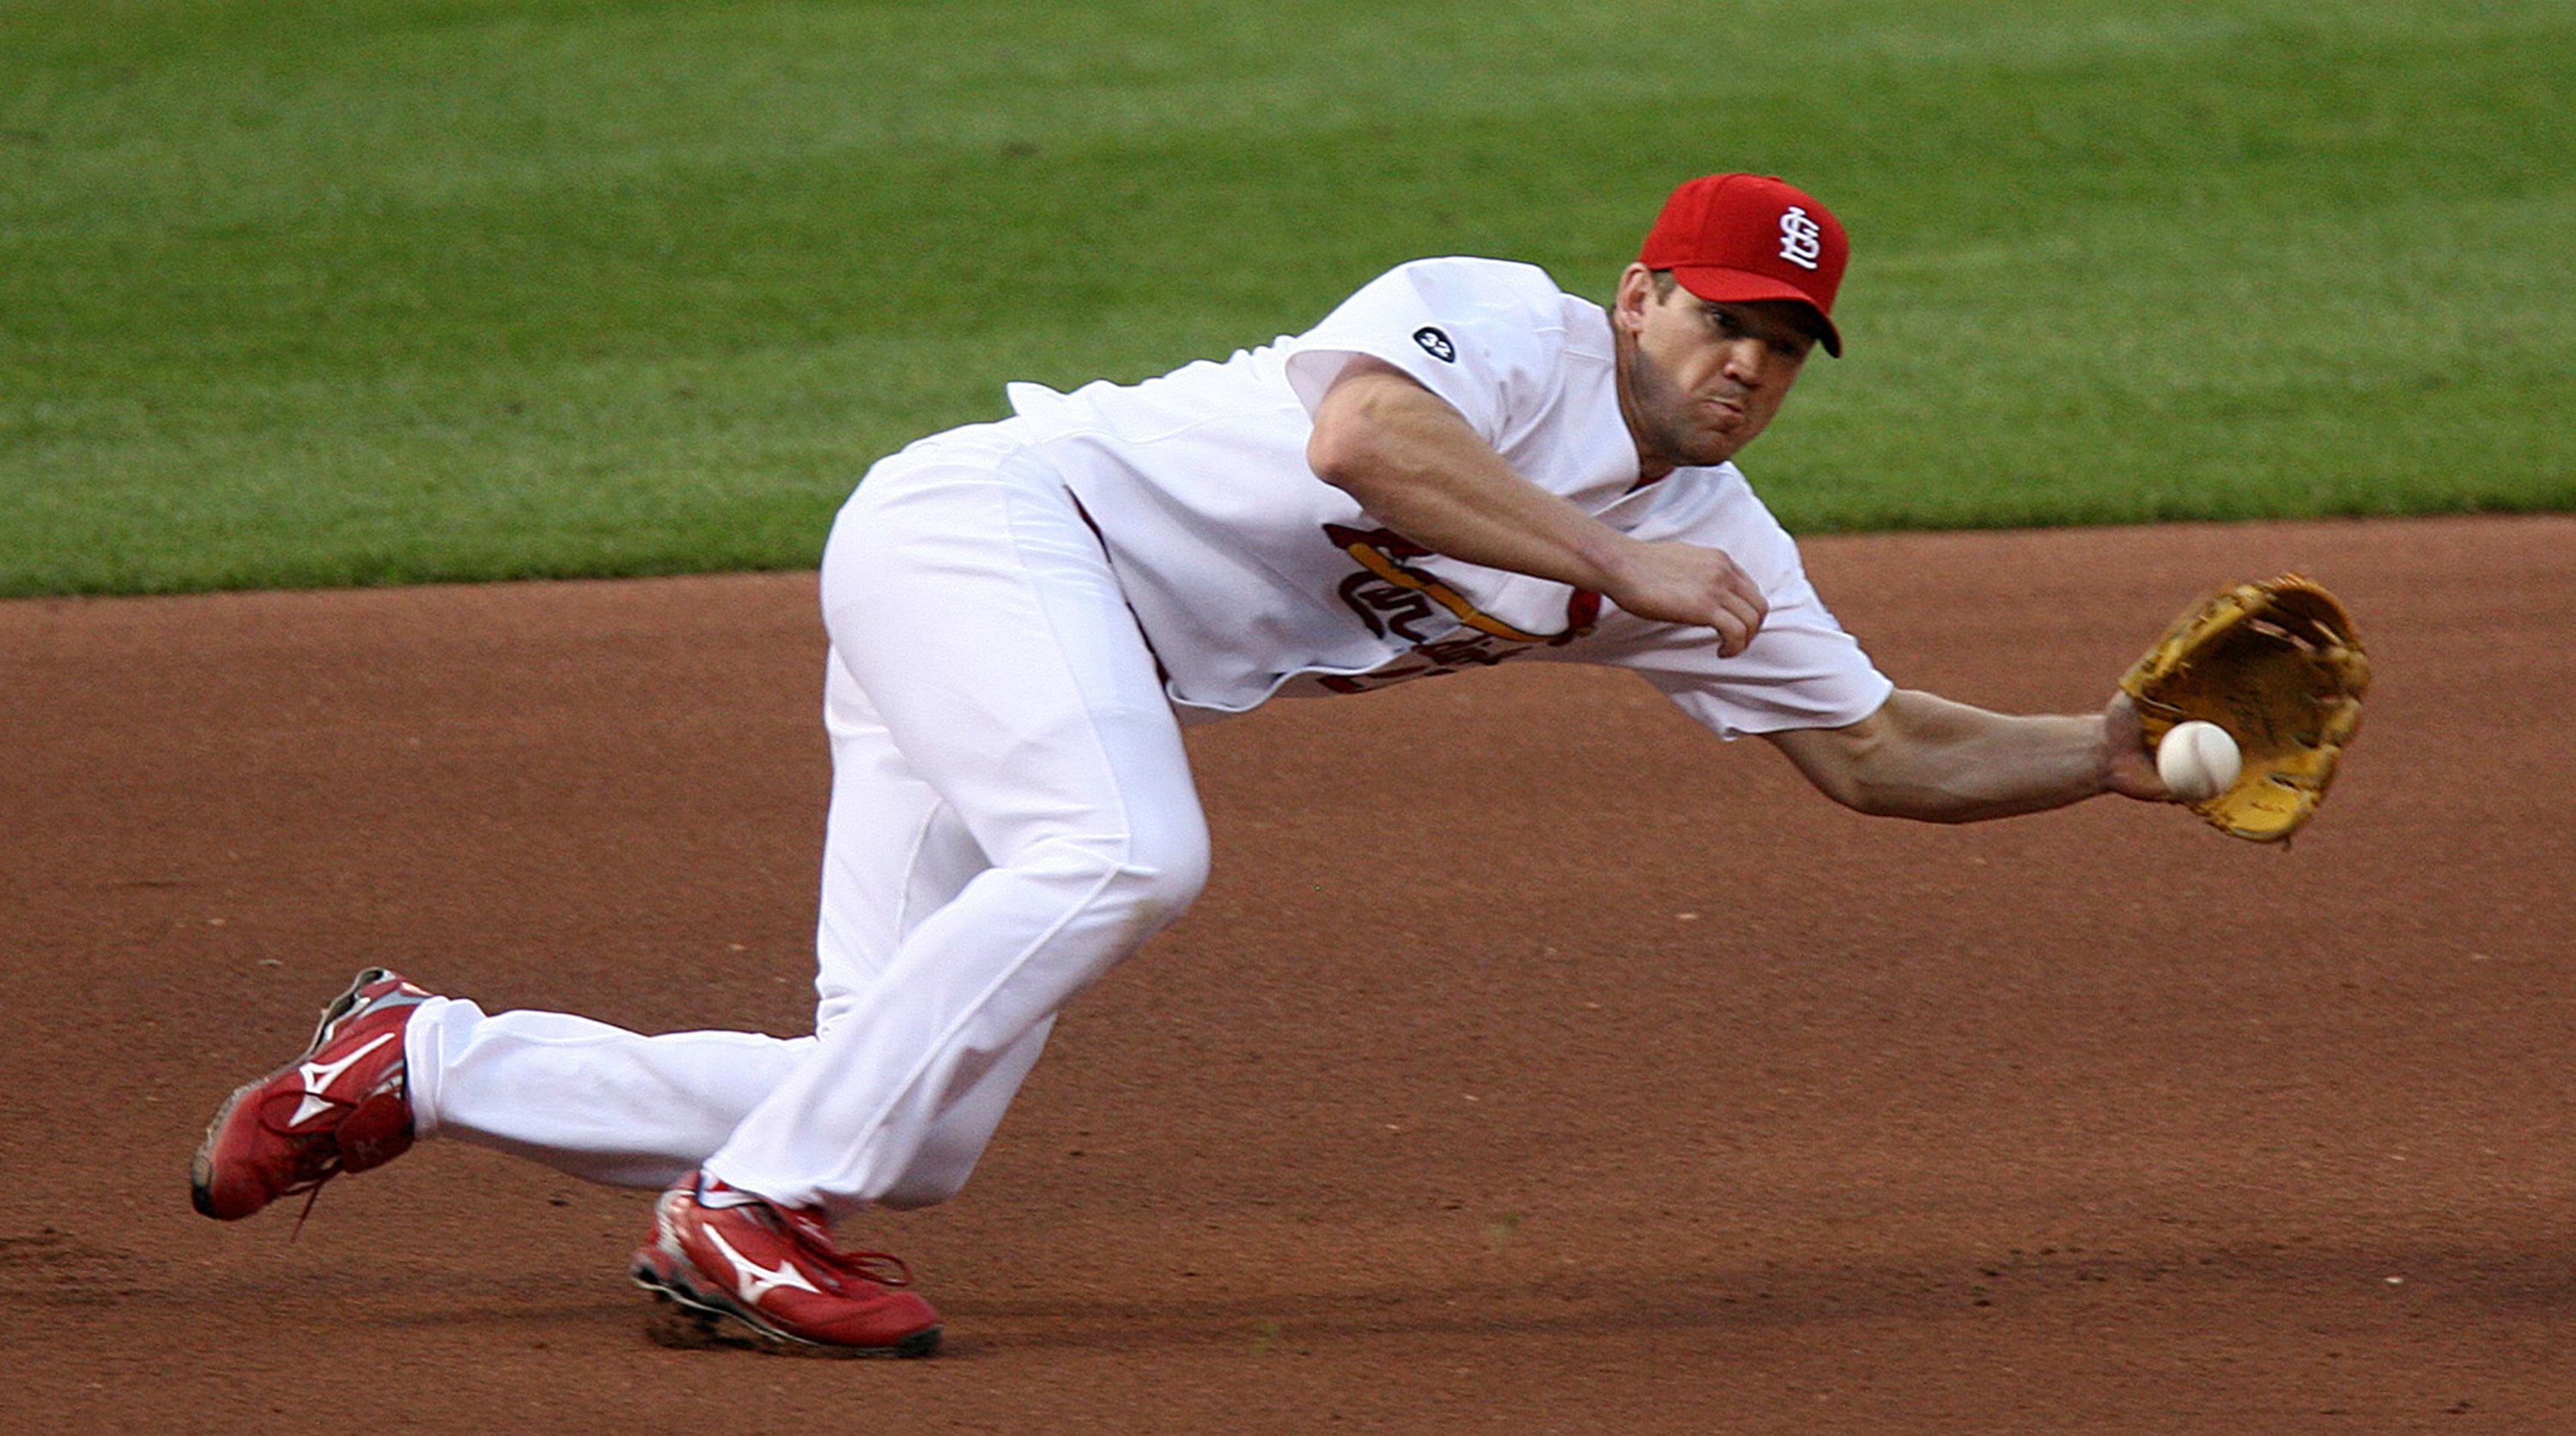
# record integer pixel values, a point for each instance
(341, 1107)
(769, 1277)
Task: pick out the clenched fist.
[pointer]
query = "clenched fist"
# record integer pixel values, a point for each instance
(1674, 582)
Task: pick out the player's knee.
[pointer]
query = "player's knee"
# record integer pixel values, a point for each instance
(1169, 889)
(1156, 882)
(1139, 879)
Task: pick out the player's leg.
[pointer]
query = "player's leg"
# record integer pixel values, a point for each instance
(1100, 844)
(610, 1105)
(975, 610)
(598, 1101)
(392, 1062)
(584, 1097)
(873, 898)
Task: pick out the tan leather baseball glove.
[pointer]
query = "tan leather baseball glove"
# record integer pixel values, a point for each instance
(2277, 665)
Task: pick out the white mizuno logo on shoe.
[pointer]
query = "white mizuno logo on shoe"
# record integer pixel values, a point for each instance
(319, 1076)
(758, 1281)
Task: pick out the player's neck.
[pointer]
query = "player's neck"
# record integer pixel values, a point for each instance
(1623, 351)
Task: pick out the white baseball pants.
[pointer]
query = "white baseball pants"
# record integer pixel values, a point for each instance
(1012, 813)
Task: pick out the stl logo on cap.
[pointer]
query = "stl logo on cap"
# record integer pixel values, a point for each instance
(1802, 240)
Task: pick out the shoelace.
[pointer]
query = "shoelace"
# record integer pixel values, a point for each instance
(882, 1268)
(313, 1170)
(312, 1194)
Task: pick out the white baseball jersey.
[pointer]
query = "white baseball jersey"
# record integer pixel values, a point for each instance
(1251, 577)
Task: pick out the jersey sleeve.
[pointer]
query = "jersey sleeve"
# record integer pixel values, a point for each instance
(1803, 670)
(1485, 335)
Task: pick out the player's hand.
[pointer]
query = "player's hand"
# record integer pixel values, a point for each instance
(1686, 583)
(2128, 763)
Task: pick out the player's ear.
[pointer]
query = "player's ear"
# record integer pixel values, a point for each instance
(1636, 294)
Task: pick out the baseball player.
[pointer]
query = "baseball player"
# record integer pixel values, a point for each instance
(1461, 465)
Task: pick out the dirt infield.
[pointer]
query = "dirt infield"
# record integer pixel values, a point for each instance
(1534, 1063)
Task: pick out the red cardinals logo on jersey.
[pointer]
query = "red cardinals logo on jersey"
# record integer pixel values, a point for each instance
(1398, 600)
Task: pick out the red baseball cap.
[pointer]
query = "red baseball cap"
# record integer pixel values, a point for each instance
(1733, 239)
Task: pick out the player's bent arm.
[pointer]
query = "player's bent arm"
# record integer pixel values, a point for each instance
(1416, 464)
(1925, 757)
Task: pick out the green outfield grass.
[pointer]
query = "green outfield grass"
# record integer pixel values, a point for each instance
(360, 291)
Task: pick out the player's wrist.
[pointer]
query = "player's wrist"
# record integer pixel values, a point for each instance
(1607, 561)
(2106, 754)
(2122, 761)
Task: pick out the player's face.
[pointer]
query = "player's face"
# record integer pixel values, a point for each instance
(1699, 380)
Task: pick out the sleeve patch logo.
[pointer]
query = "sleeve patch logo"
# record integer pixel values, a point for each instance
(1436, 344)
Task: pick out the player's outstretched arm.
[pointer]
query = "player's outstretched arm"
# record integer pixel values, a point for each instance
(1925, 757)
(1417, 465)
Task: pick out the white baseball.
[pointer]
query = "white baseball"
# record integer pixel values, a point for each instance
(2197, 760)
